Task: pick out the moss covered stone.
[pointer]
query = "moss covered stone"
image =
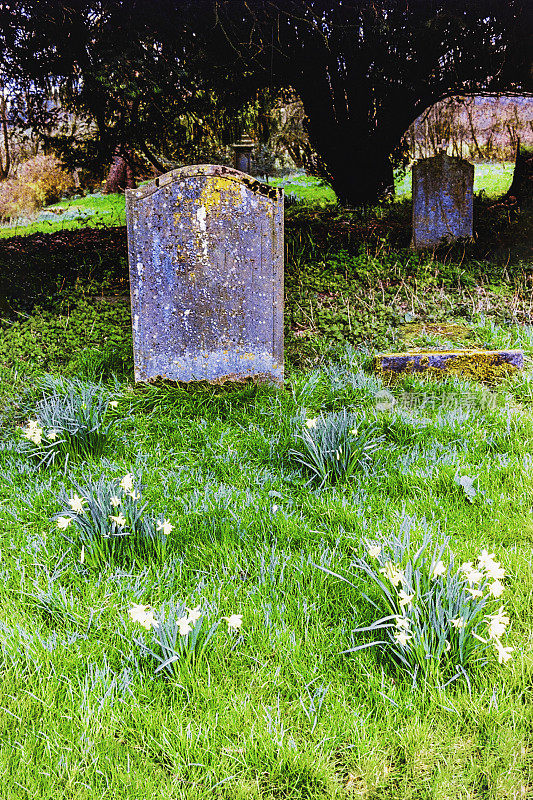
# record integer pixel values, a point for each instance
(481, 365)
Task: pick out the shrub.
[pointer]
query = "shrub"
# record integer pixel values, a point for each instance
(39, 182)
(335, 446)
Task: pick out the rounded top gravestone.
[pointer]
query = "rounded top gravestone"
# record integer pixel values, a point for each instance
(206, 274)
(443, 195)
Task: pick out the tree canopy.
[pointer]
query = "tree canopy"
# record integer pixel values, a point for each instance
(163, 78)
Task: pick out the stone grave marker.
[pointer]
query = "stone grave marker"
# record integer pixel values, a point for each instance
(443, 192)
(206, 275)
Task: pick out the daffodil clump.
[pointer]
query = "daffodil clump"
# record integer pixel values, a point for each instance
(109, 524)
(333, 447)
(435, 618)
(72, 419)
(180, 635)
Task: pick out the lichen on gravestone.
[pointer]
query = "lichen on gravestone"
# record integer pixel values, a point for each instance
(206, 276)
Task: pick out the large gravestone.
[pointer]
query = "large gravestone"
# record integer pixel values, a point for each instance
(443, 192)
(206, 275)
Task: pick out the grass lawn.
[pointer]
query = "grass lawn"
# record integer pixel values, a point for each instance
(202, 508)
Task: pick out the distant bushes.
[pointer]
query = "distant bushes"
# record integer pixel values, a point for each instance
(39, 182)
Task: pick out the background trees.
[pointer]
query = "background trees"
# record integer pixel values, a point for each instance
(162, 81)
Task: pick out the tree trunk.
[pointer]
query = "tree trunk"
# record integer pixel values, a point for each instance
(522, 186)
(120, 174)
(6, 164)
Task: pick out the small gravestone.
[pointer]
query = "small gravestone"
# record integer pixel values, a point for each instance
(206, 274)
(443, 192)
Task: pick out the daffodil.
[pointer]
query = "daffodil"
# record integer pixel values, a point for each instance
(474, 576)
(184, 626)
(496, 589)
(120, 520)
(402, 623)
(448, 647)
(438, 570)
(82, 554)
(395, 576)
(144, 615)
(63, 523)
(474, 593)
(52, 434)
(115, 501)
(194, 615)
(113, 404)
(406, 600)
(497, 623)
(127, 482)
(485, 559)
(494, 571)
(402, 638)
(311, 423)
(374, 550)
(504, 653)
(76, 504)
(234, 622)
(458, 622)
(165, 527)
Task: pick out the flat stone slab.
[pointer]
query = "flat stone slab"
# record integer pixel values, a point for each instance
(478, 364)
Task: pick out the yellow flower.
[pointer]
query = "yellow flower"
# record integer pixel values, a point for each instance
(127, 482)
(76, 504)
(183, 624)
(165, 527)
(311, 423)
(63, 523)
(144, 615)
(374, 550)
(438, 570)
(120, 520)
(234, 622)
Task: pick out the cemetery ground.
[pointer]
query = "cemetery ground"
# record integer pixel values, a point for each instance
(210, 652)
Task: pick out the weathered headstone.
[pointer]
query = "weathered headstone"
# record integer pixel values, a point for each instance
(443, 192)
(206, 275)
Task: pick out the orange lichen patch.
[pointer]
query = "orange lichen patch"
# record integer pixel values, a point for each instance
(481, 365)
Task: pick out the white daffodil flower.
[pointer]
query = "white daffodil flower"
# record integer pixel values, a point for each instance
(184, 626)
(144, 615)
(438, 570)
(120, 520)
(194, 615)
(402, 638)
(115, 501)
(234, 622)
(165, 527)
(76, 504)
(496, 589)
(504, 653)
(458, 622)
(311, 423)
(406, 600)
(127, 482)
(63, 523)
(374, 550)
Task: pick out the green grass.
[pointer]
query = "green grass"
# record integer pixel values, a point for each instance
(94, 210)
(275, 710)
(493, 178)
